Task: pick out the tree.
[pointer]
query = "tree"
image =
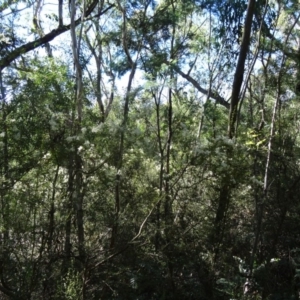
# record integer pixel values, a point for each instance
(149, 150)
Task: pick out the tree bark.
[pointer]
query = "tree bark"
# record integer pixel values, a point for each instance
(220, 100)
(224, 197)
(240, 68)
(10, 57)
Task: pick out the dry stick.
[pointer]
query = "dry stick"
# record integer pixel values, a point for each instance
(133, 240)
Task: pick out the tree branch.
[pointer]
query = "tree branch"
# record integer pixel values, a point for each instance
(10, 57)
(213, 95)
(290, 53)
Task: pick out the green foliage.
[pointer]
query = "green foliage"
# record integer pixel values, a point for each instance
(133, 190)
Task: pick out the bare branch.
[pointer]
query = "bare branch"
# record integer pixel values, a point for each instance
(10, 57)
(211, 94)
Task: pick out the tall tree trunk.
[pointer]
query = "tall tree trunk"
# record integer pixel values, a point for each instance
(5, 183)
(128, 97)
(5, 166)
(120, 157)
(69, 213)
(224, 197)
(168, 210)
(78, 178)
(157, 100)
(240, 68)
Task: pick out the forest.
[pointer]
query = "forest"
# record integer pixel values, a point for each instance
(149, 149)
